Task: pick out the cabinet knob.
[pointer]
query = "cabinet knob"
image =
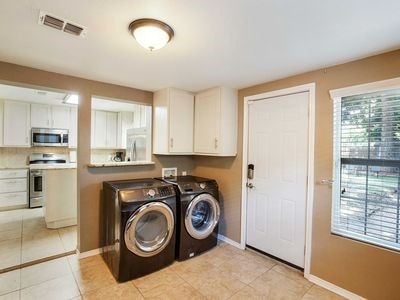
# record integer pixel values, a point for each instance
(172, 142)
(216, 143)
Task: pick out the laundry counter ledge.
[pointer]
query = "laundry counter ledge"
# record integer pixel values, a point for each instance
(120, 164)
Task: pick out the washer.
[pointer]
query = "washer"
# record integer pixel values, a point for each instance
(198, 214)
(138, 227)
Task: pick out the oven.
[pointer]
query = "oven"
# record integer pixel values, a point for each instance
(49, 137)
(36, 188)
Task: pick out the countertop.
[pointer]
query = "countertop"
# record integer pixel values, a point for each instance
(52, 166)
(120, 164)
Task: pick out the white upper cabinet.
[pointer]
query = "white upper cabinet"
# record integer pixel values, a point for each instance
(60, 116)
(173, 122)
(16, 124)
(40, 116)
(104, 129)
(49, 116)
(215, 129)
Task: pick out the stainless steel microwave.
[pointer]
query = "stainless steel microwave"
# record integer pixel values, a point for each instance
(49, 137)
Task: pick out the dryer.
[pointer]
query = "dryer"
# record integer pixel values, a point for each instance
(138, 227)
(198, 213)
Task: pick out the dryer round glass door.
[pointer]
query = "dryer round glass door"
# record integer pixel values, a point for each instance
(202, 216)
(149, 229)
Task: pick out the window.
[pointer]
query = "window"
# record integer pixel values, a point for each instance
(366, 191)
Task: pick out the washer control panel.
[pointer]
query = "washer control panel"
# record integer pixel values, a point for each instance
(146, 194)
(151, 193)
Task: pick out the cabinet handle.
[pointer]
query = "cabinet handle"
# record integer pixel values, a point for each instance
(216, 143)
(52, 123)
(172, 142)
(48, 122)
(26, 140)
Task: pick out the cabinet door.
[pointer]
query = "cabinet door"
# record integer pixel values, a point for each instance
(16, 124)
(40, 115)
(207, 121)
(73, 128)
(60, 117)
(125, 122)
(111, 133)
(100, 129)
(181, 106)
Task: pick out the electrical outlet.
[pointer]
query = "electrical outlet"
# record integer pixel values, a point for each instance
(184, 173)
(169, 172)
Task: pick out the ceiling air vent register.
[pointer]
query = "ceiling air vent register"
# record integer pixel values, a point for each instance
(61, 24)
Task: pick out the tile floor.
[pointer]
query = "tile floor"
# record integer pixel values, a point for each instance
(24, 237)
(224, 272)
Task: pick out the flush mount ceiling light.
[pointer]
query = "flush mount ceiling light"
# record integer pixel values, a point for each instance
(150, 33)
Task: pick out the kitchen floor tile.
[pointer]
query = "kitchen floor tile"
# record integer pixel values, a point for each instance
(68, 237)
(11, 296)
(45, 271)
(59, 288)
(10, 253)
(10, 282)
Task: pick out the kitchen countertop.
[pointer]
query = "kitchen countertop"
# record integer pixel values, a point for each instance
(52, 166)
(120, 164)
(14, 168)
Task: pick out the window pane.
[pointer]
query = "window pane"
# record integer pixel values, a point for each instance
(366, 202)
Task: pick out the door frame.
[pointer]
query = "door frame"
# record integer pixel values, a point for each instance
(310, 88)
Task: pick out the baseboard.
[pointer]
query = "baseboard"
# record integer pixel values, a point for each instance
(229, 241)
(334, 288)
(88, 253)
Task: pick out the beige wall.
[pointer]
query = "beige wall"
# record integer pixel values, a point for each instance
(365, 270)
(362, 269)
(90, 179)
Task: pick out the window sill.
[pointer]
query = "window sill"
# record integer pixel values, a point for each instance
(120, 164)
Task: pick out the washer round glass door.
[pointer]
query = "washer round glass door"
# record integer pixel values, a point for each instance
(202, 216)
(149, 229)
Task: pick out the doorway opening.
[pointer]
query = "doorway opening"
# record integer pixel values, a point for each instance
(38, 180)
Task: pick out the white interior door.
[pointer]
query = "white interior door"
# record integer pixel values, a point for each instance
(278, 148)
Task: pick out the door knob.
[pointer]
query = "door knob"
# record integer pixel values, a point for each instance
(250, 185)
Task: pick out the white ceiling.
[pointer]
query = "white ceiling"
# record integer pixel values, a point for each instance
(16, 93)
(30, 95)
(224, 42)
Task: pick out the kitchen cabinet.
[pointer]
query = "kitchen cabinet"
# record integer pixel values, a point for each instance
(49, 116)
(61, 198)
(125, 122)
(73, 128)
(104, 129)
(215, 127)
(173, 122)
(13, 188)
(16, 124)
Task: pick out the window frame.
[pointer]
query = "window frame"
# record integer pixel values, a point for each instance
(337, 96)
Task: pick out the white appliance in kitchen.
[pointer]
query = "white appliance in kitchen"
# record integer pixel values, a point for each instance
(138, 144)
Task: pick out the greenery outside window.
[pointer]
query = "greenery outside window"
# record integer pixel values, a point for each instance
(366, 191)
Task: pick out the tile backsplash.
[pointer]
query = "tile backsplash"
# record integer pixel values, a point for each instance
(104, 155)
(19, 157)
